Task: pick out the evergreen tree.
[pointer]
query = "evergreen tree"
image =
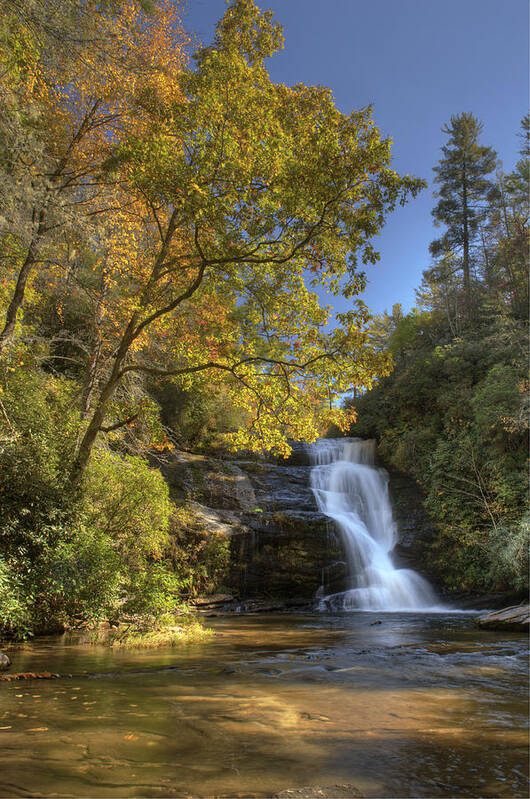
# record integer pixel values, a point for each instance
(464, 188)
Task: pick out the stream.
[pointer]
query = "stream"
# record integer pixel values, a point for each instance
(396, 704)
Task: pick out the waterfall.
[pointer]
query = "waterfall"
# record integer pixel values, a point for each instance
(354, 494)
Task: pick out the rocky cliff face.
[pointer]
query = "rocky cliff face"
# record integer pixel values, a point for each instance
(281, 546)
(416, 531)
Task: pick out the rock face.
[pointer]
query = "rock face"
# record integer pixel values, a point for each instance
(280, 545)
(5, 663)
(416, 530)
(516, 618)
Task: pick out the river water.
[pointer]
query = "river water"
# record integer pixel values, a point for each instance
(399, 705)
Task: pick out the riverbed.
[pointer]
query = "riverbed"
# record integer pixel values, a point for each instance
(399, 705)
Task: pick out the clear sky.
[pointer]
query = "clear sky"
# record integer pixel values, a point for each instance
(418, 62)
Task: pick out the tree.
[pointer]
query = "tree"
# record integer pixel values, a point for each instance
(73, 83)
(464, 188)
(441, 292)
(243, 197)
(504, 236)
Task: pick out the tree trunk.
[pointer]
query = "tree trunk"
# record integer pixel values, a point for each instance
(18, 296)
(94, 426)
(92, 373)
(465, 265)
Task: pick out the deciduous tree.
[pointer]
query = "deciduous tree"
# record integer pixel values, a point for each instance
(246, 195)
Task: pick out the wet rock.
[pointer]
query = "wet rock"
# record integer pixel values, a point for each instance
(516, 618)
(5, 663)
(212, 601)
(261, 606)
(286, 553)
(415, 529)
(31, 675)
(210, 482)
(280, 545)
(342, 791)
(492, 601)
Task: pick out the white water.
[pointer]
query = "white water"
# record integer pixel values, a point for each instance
(354, 494)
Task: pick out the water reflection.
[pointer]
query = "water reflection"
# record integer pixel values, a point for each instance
(414, 706)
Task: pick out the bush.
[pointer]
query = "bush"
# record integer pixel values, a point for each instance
(68, 554)
(452, 415)
(154, 591)
(127, 501)
(510, 548)
(14, 610)
(199, 557)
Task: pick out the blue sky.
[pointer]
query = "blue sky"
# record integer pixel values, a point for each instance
(418, 62)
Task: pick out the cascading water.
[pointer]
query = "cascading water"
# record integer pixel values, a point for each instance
(354, 494)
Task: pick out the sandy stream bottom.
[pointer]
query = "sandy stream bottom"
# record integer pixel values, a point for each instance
(416, 706)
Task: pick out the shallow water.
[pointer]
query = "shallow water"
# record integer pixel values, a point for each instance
(416, 706)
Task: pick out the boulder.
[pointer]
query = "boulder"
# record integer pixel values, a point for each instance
(5, 663)
(516, 618)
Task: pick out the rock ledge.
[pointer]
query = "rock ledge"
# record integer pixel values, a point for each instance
(515, 618)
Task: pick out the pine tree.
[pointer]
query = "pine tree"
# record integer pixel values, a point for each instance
(464, 188)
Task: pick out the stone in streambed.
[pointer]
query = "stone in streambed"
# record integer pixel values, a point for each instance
(5, 663)
(515, 618)
(321, 792)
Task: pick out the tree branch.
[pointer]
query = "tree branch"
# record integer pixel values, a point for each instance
(116, 426)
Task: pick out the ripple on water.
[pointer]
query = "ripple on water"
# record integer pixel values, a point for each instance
(414, 706)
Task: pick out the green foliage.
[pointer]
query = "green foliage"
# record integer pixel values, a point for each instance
(510, 547)
(196, 417)
(126, 501)
(14, 601)
(200, 557)
(453, 415)
(68, 554)
(153, 591)
(462, 177)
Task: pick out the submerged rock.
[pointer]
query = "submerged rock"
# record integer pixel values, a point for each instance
(5, 663)
(515, 618)
(321, 792)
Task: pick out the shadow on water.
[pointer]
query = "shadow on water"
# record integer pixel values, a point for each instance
(418, 706)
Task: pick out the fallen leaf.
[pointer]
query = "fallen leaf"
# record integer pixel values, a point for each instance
(130, 737)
